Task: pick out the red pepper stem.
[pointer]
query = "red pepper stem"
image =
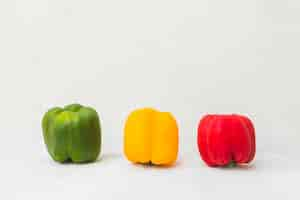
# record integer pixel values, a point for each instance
(231, 164)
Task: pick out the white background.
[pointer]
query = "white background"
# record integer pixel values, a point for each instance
(188, 57)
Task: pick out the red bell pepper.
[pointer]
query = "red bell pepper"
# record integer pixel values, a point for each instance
(226, 140)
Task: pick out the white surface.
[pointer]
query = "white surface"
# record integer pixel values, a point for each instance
(187, 57)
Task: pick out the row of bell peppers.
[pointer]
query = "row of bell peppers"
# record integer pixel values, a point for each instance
(73, 133)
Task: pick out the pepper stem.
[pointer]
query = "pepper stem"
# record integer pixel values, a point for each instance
(231, 164)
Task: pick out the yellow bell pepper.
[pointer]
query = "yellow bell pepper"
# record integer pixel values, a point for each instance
(151, 137)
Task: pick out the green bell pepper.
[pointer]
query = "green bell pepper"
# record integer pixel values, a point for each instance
(72, 133)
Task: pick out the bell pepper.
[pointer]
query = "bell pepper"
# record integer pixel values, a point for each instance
(151, 137)
(226, 140)
(72, 133)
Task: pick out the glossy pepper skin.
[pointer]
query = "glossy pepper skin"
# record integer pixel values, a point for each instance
(226, 140)
(72, 133)
(151, 137)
